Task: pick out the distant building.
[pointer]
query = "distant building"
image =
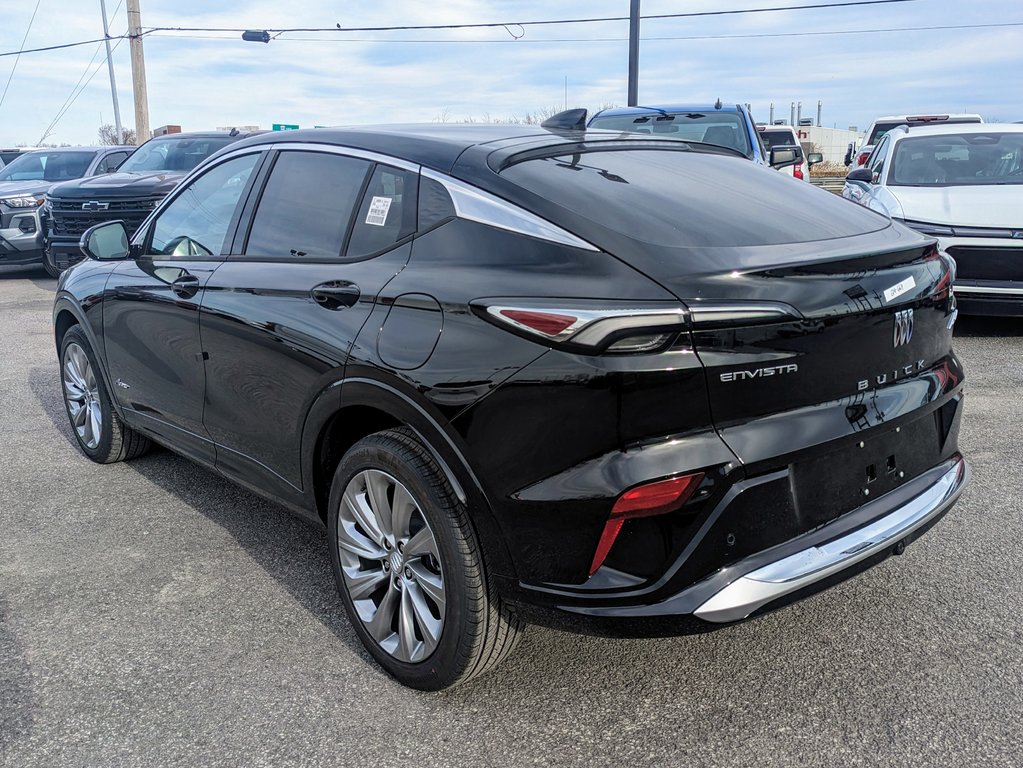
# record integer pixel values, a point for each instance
(830, 142)
(163, 130)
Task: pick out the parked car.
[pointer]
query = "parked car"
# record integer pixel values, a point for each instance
(774, 136)
(520, 372)
(9, 155)
(730, 126)
(130, 195)
(882, 125)
(962, 184)
(24, 182)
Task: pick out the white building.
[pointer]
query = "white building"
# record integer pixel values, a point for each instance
(830, 142)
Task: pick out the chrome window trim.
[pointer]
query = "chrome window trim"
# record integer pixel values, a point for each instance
(474, 204)
(332, 149)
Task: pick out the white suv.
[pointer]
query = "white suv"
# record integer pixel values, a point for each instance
(962, 184)
(882, 125)
(785, 136)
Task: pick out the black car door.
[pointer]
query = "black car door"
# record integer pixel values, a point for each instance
(328, 230)
(151, 320)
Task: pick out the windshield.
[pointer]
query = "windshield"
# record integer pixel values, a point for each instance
(48, 166)
(774, 139)
(725, 129)
(172, 154)
(957, 160)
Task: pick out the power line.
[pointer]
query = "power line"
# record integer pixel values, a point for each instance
(546, 22)
(75, 92)
(18, 54)
(55, 47)
(609, 39)
(482, 25)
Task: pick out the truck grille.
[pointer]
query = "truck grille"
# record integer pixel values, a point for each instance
(978, 262)
(68, 218)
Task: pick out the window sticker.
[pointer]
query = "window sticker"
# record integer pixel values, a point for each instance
(378, 208)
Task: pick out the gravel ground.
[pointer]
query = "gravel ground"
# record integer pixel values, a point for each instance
(152, 614)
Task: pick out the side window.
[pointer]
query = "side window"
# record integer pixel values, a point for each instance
(876, 160)
(306, 206)
(111, 162)
(387, 214)
(195, 223)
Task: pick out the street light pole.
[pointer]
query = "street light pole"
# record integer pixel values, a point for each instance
(634, 53)
(110, 66)
(138, 71)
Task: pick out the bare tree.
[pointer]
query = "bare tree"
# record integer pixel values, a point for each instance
(108, 135)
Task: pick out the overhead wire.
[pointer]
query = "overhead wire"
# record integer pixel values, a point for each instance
(478, 25)
(536, 23)
(644, 38)
(75, 91)
(19, 52)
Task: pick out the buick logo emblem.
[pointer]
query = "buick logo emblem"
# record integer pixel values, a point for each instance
(903, 328)
(95, 205)
(1017, 234)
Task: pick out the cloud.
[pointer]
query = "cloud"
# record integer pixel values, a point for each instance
(205, 83)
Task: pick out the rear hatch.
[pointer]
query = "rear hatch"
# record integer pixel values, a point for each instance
(804, 305)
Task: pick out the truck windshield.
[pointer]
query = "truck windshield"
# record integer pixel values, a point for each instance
(725, 129)
(958, 160)
(48, 166)
(172, 154)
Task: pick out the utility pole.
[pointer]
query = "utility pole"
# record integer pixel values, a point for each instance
(110, 66)
(138, 71)
(634, 53)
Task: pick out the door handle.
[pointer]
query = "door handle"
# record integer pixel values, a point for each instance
(186, 286)
(336, 294)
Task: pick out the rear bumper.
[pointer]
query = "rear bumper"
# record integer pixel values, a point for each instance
(813, 561)
(817, 562)
(990, 297)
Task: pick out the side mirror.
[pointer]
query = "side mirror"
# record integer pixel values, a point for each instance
(782, 157)
(814, 157)
(860, 174)
(105, 242)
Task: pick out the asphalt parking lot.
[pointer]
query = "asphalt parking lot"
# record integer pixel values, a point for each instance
(152, 614)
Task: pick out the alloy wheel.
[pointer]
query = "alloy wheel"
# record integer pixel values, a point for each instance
(391, 565)
(81, 394)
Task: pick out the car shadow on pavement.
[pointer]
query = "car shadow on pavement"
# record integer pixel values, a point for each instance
(31, 272)
(290, 550)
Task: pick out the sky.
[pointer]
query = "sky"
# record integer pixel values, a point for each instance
(345, 78)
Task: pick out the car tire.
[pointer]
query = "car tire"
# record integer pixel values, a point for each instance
(51, 268)
(392, 509)
(99, 432)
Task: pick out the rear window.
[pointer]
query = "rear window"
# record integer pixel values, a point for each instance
(725, 129)
(688, 198)
(968, 159)
(774, 139)
(880, 129)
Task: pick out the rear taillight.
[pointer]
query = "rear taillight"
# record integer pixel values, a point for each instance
(797, 172)
(861, 158)
(658, 498)
(610, 329)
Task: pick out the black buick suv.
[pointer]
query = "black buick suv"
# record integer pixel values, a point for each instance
(520, 373)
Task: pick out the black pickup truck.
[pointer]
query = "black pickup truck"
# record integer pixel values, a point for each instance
(131, 194)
